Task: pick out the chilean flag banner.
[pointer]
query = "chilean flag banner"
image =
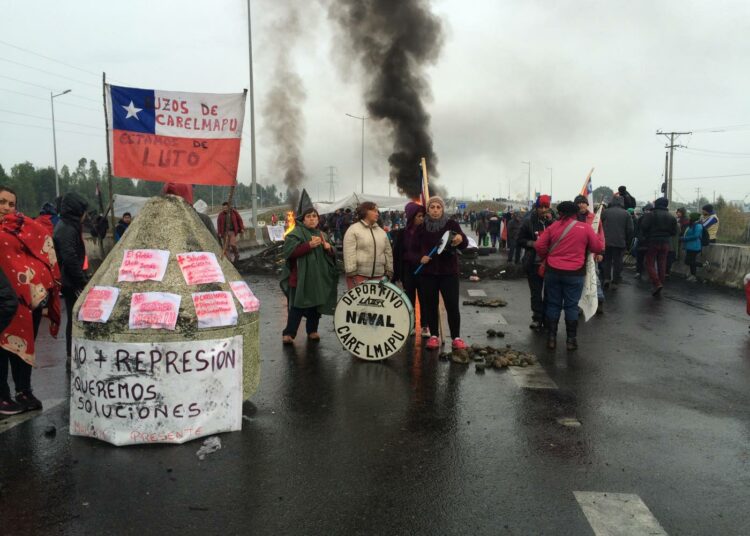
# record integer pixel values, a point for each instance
(588, 190)
(170, 136)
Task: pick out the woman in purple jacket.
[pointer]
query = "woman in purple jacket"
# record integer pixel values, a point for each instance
(440, 273)
(407, 254)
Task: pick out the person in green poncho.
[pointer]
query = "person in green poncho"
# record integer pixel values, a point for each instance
(309, 278)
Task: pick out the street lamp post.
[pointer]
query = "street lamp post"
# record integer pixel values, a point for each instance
(363, 119)
(550, 181)
(253, 179)
(529, 179)
(54, 138)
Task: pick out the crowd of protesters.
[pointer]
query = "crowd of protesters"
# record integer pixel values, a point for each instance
(47, 261)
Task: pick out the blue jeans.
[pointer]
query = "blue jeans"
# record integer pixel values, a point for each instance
(562, 292)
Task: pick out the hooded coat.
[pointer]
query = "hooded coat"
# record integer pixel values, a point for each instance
(316, 276)
(68, 240)
(406, 244)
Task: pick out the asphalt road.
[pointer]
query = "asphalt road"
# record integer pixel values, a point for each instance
(646, 429)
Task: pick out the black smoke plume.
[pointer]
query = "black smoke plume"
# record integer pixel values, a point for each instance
(394, 41)
(282, 105)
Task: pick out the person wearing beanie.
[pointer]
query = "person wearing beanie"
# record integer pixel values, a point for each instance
(439, 277)
(657, 227)
(691, 241)
(710, 222)
(532, 226)
(628, 200)
(563, 247)
(618, 233)
(406, 256)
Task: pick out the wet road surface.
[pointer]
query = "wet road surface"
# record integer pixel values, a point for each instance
(654, 405)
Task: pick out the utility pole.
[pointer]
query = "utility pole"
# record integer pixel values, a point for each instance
(363, 119)
(550, 182)
(671, 137)
(253, 180)
(529, 179)
(698, 196)
(54, 138)
(331, 183)
(666, 168)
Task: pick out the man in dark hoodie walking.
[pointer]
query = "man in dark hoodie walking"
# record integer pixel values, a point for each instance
(657, 227)
(618, 235)
(71, 254)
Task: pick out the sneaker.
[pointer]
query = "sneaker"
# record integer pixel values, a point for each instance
(691, 279)
(8, 407)
(657, 291)
(425, 333)
(433, 343)
(458, 344)
(28, 401)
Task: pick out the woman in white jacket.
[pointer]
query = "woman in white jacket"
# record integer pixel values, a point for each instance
(367, 250)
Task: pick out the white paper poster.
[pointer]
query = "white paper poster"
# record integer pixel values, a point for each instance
(98, 304)
(214, 309)
(143, 265)
(589, 301)
(200, 267)
(276, 232)
(154, 310)
(173, 392)
(245, 296)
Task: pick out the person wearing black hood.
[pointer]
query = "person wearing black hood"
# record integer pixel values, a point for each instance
(628, 200)
(71, 253)
(406, 256)
(658, 227)
(532, 226)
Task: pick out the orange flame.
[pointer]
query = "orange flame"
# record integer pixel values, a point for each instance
(290, 223)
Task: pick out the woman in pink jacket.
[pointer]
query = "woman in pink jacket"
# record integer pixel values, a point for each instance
(563, 247)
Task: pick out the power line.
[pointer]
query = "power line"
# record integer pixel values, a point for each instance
(48, 128)
(46, 87)
(45, 99)
(713, 177)
(723, 128)
(710, 152)
(48, 119)
(49, 58)
(47, 72)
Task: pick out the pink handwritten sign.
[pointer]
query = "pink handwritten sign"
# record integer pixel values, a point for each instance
(245, 296)
(154, 310)
(200, 267)
(214, 309)
(98, 304)
(143, 265)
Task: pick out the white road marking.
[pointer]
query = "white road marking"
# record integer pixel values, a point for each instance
(570, 422)
(501, 319)
(618, 514)
(476, 292)
(10, 422)
(532, 377)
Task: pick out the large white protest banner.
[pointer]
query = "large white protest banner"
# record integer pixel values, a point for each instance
(589, 300)
(168, 392)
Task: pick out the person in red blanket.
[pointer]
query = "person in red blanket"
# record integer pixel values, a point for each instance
(30, 265)
(230, 226)
(563, 247)
(747, 291)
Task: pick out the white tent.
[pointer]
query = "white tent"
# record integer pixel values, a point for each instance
(382, 201)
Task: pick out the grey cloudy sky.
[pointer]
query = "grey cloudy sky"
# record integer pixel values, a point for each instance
(568, 85)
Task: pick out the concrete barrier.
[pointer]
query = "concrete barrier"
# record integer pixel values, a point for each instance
(725, 264)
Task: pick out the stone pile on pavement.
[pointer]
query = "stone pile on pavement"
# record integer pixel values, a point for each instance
(485, 302)
(490, 357)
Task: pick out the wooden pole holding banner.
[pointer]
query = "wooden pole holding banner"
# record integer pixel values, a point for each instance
(109, 158)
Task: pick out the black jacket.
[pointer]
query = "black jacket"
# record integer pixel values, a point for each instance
(531, 228)
(8, 302)
(628, 200)
(658, 226)
(618, 225)
(493, 226)
(69, 242)
(514, 226)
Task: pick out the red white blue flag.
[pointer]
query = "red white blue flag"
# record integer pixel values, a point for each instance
(170, 136)
(588, 191)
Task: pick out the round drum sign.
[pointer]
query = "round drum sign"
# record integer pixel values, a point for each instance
(373, 320)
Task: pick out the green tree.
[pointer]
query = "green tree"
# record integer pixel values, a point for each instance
(603, 192)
